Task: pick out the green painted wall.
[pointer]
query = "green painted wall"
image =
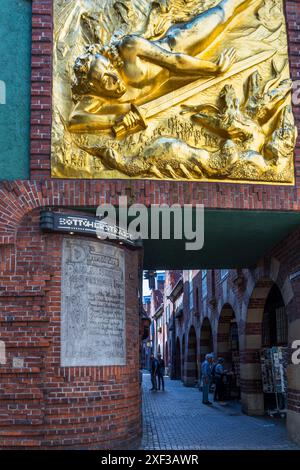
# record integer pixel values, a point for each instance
(15, 45)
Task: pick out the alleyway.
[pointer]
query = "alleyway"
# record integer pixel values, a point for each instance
(176, 419)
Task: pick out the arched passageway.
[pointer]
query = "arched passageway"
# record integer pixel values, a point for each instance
(266, 354)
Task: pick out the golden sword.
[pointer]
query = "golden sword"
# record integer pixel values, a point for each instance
(152, 108)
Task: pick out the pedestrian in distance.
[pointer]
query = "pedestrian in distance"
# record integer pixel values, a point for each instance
(206, 378)
(161, 372)
(153, 371)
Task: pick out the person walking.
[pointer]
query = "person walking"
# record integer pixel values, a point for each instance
(206, 378)
(153, 371)
(219, 377)
(160, 372)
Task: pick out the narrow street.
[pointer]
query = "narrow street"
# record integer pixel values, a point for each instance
(177, 419)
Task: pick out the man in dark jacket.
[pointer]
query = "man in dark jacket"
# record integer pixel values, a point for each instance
(153, 371)
(161, 372)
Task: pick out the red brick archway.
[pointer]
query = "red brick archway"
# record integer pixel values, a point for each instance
(251, 384)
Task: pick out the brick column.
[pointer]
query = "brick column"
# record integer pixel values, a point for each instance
(44, 405)
(251, 383)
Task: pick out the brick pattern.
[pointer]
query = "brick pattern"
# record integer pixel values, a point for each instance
(251, 386)
(294, 400)
(41, 404)
(249, 356)
(41, 88)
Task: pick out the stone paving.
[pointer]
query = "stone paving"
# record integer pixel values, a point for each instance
(177, 419)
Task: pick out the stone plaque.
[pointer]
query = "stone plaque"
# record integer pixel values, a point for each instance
(93, 304)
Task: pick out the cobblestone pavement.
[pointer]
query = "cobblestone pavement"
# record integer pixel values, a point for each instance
(177, 419)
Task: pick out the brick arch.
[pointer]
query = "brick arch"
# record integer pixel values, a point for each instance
(255, 311)
(258, 289)
(18, 198)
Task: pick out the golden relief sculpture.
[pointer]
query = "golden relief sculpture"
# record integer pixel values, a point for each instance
(172, 89)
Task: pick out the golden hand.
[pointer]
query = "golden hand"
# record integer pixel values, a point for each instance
(226, 60)
(128, 122)
(131, 120)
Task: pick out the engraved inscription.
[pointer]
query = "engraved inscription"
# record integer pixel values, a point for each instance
(93, 304)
